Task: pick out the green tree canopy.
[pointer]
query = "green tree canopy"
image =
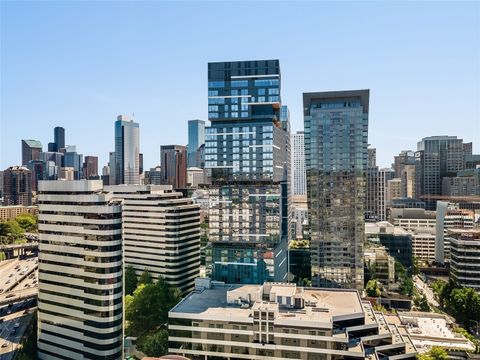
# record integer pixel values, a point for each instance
(156, 345)
(373, 289)
(145, 278)
(10, 227)
(435, 353)
(27, 222)
(130, 280)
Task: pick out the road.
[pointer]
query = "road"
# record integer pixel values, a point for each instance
(11, 272)
(424, 289)
(11, 331)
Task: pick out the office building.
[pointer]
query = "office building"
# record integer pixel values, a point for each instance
(423, 244)
(299, 209)
(465, 257)
(72, 159)
(80, 295)
(406, 157)
(278, 321)
(59, 138)
(127, 151)
(336, 129)
(195, 177)
(413, 219)
(155, 176)
(31, 150)
(409, 182)
(17, 186)
(299, 176)
(140, 163)
(90, 167)
(437, 157)
(394, 190)
(397, 241)
(161, 233)
(376, 191)
(39, 172)
(1, 187)
(472, 161)
(449, 216)
(246, 152)
(196, 138)
(466, 183)
(56, 157)
(66, 173)
(174, 165)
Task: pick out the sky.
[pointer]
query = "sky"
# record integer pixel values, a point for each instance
(80, 64)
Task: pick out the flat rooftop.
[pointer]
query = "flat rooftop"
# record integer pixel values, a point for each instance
(211, 304)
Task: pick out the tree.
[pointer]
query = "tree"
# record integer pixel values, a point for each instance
(145, 278)
(424, 305)
(27, 222)
(415, 266)
(373, 288)
(435, 353)
(130, 280)
(156, 344)
(406, 288)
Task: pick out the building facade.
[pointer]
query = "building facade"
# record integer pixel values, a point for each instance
(464, 257)
(299, 176)
(336, 130)
(90, 167)
(246, 152)
(31, 150)
(196, 138)
(376, 192)
(161, 233)
(12, 211)
(174, 165)
(17, 186)
(74, 160)
(127, 151)
(281, 321)
(80, 291)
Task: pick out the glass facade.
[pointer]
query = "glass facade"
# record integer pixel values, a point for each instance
(246, 153)
(336, 127)
(196, 138)
(127, 151)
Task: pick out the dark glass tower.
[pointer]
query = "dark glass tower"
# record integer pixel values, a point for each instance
(196, 138)
(246, 150)
(59, 138)
(336, 129)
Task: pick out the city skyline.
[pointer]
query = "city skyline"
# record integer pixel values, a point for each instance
(88, 93)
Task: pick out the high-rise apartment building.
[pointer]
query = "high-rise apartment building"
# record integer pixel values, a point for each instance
(409, 182)
(336, 130)
(17, 186)
(394, 190)
(299, 177)
(437, 157)
(31, 150)
(466, 183)
(174, 165)
(161, 233)
(406, 157)
(90, 167)
(127, 151)
(376, 191)
(246, 151)
(196, 138)
(80, 292)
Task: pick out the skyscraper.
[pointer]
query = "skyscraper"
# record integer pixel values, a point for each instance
(31, 150)
(246, 150)
(376, 191)
(59, 138)
(437, 157)
(17, 186)
(336, 130)
(90, 167)
(196, 138)
(299, 178)
(73, 159)
(80, 292)
(174, 165)
(127, 151)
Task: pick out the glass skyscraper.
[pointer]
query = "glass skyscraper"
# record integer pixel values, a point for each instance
(127, 151)
(246, 150)
(196, 138)
(336, 130)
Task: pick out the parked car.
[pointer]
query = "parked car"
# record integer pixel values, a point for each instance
(10, 295)
(5, 344)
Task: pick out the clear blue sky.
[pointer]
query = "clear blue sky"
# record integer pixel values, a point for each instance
(79, 64)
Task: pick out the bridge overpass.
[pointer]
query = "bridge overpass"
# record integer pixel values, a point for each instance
(14, 250)
(18, 295)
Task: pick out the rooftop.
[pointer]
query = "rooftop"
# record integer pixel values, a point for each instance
(33, 143)
(223, 302)
(384, 227)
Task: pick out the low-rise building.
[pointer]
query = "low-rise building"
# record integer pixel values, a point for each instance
(380, 264)
(423, 244)
(278, 321)
(11, 212)
(413, 218)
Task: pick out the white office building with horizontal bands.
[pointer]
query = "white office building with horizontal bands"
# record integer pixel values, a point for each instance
(278, 321)
(80, 311)
(161, 233)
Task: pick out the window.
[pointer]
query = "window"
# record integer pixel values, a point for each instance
(216, 84)
(239, 83)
